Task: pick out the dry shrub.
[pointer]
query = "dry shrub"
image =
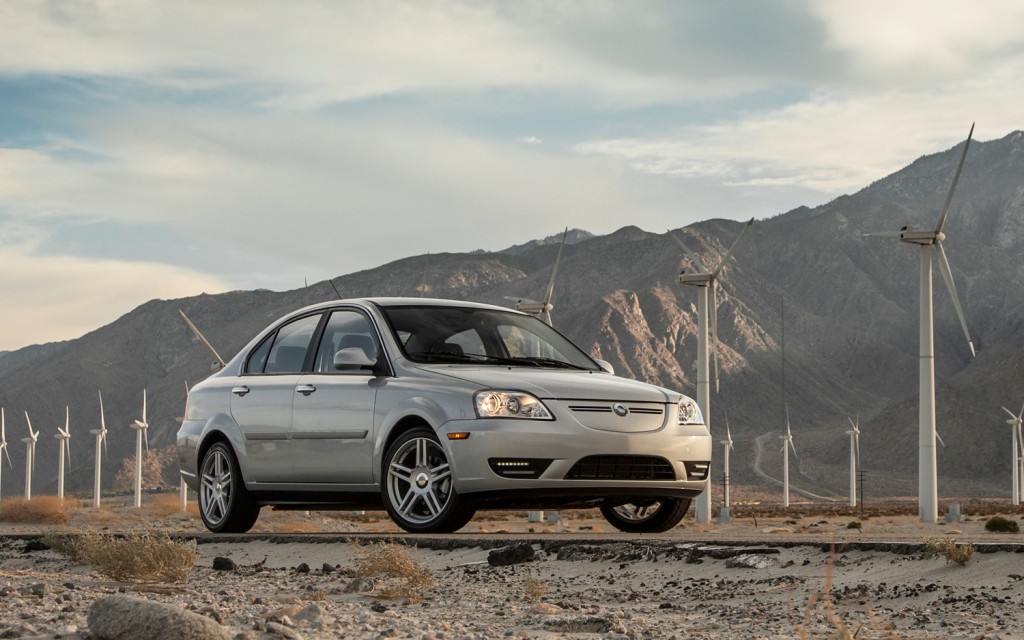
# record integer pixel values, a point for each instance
(948, 549)
(159, 469)
(534, 588)
(38, 510)
(999, 524)
(167, 504)
(392, 561)
(135, 557)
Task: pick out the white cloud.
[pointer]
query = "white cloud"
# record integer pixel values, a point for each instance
(50, 298)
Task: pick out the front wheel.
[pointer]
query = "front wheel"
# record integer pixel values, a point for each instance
(224, 503)
(646, 516)
(418, 489)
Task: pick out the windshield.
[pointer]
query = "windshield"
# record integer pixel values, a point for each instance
(481, 336)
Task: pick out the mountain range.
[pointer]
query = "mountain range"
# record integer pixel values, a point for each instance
(812, 315)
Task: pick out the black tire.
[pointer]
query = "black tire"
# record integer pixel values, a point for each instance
(417, 487)
(224, 503)
(646, 516)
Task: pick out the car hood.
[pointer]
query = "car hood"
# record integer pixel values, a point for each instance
(559, 384)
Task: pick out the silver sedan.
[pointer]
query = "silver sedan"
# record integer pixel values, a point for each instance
(434, 409)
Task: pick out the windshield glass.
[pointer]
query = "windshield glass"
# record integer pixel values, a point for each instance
(482, 336)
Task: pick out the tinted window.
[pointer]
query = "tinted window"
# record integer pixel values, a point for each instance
(290, 345)
(345, 329)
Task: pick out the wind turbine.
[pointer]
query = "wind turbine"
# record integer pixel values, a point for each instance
(1015, 423)
(218, 362)
(854, 434)
(101, 437)
(30, 456)
(726, 448)
(141, 427)
(704, 280)
(3, 442)
(927, 468)
(542, 308)
(64, 436)
(786, 440)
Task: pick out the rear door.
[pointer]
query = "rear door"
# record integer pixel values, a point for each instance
(263, 396)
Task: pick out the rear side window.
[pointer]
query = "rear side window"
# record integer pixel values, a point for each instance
(287, 348)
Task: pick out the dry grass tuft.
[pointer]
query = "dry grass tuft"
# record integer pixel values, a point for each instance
(948, 549)
(534, 588)
(133, 558)
(407, 576)
(38, 510)
(166, 504)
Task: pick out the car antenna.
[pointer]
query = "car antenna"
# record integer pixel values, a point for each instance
(331, 280)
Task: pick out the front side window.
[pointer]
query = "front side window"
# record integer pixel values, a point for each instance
(288, 350)
(346, 329)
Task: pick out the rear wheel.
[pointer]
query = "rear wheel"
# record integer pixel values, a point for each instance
(224, 503)
(418, 488)
(646, 516)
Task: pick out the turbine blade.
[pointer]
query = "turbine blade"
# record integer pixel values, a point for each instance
(547, 316)
(793, 447)
(1021, 416)
(554, 271)
(939, 438)
(144, 407)
(1012, 415)
(728, 433)
(9, 463)
(145, 438)
(956, 178)
(883, 234)
(947, 275)
(729, 253)
(103, 437)
(787, 419)
(3, 426)
(689, 254)
(103, 419)
(67, 420)
(856, 444)
(202, 339)
(714, 330)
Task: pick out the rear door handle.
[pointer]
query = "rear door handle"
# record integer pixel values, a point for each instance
(305, 389)
(240, 391)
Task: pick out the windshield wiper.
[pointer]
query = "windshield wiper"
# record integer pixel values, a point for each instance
(549, 362)
(460, 357)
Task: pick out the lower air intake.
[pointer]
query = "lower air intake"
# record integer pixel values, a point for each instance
(622, 468)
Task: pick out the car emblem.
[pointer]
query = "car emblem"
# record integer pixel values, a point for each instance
(620, 409)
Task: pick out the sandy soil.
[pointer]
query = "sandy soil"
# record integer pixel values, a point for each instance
(798, 574)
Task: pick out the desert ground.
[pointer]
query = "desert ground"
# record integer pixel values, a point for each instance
(810, 572)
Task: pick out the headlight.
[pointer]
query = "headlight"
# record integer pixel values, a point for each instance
(509, 404)
(689, 412)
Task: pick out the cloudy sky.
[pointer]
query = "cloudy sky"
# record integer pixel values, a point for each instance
(155, 149)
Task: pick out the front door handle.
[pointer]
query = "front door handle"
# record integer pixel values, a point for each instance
(240, 391)
(305, 389)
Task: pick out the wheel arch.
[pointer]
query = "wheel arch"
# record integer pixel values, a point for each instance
(221, 428)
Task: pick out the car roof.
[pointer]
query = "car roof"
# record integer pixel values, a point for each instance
(407, 302)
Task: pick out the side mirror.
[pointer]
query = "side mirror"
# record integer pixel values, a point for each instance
(353, 358)
(605, 366)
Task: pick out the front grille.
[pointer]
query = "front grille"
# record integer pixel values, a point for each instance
(621, 468)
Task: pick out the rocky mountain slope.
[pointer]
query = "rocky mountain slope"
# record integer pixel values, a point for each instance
(844, 307)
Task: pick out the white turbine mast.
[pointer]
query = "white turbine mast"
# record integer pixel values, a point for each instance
(539, 309)
(101, 438)
(928, 497)
(218, 362)
(854, 434)
(726, 448)
(30, 456)
(3, 442)
(141, 427)
(704, 280)
(1015, 424)
(787, 444)
(64, 436)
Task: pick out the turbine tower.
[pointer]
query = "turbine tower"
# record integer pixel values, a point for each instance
(101, 437)
(3, 442)
(1015, 423)
(854, 434)
(30, 456)
(927, 471)
(141, 427)
(726, 448)
(786, 440)
(704, 280)
(538, 309)
(64, 436)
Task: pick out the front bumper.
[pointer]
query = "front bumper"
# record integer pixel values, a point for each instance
(564, 443)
